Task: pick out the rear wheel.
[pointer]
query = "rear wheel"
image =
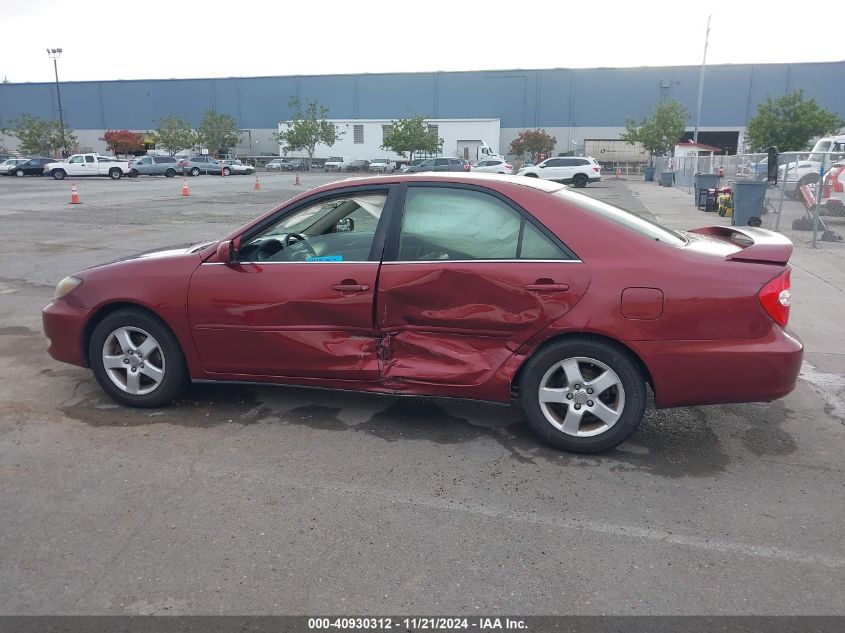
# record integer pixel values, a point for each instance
(227, 171)
(115, 173)
(59, 174)
(170, 173)
(582, 395)
(580, 181)
(195, 171)
(137, 360)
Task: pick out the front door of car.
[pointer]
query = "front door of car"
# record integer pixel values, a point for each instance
(468, 277)
(441, 164)
(76, 166)
(555, 169)
(298, 299)
(144, 165)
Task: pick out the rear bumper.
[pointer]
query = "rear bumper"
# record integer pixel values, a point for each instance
(64, 326)
(687, 373)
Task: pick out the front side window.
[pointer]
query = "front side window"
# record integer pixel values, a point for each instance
(76, 160)
(337, 230)
(461, 224)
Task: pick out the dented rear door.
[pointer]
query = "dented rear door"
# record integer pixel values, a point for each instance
(467, 279)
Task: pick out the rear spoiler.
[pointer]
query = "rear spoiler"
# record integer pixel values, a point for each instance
(766, 246)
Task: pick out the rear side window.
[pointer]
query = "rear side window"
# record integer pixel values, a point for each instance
(630, 221)
(459, 224)
(441, 161)
(582, 161)
(165, 159)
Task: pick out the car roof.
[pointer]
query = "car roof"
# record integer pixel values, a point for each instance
(449, 177)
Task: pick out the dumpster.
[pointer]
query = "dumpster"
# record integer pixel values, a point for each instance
(701, 184)
(667, 178)
(749, 198)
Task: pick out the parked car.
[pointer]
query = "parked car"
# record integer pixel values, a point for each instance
(440, 164)
(494, 166)
(277, 164)
(196, 165)
(154, 166)
(357, 165)
(238, 167)
(575, 170)
(8, 165)
(298, 164)
(83, 165)
(337, 163)
(796, 174)
(492, 288)
(414, 163)
(30, 167)
(382, 165)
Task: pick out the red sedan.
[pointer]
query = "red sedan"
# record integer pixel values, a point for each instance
(483, 287)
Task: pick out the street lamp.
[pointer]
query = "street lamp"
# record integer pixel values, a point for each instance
(54, 54)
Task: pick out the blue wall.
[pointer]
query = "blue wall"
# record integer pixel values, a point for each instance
(597, 97)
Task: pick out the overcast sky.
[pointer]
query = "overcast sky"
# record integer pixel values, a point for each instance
(209, 38)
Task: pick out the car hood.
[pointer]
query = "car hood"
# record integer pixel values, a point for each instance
(161, 253)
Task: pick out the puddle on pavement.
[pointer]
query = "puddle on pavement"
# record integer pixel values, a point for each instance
(673, 443)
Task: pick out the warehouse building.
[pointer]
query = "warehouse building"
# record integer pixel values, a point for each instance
(574, 105)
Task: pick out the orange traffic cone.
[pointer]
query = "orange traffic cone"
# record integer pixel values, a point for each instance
(185, 192)
(257, 186)
(296, 182)
(74, 195)
(618, 173)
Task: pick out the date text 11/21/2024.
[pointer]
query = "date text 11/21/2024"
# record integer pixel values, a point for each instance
(418, 623)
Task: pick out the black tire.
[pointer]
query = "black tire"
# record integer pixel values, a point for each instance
(580, 181)
(170, 173)
(175, 379)
(115, 173)
(133, 173)
(59, 174)
(19, 173)
(531, 175)
(755, 221)
(227, 171)
(631, 401)
(195, 171)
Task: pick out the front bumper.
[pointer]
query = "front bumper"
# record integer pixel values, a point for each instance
(64, 326)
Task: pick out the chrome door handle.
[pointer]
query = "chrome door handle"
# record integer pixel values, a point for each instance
(547, 287)
(350, 287)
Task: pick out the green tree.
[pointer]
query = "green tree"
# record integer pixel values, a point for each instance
(532, 142)
(307, 129)
(218, 132)
(788, 123)
(40, 137)
(174, 134)
(409, 136)
(660, 131)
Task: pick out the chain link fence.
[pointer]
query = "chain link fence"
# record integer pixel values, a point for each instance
(806, 197)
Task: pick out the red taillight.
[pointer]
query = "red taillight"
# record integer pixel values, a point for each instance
(836, 176)
(597, 169)
(467, 167)
(508, 166)
(775, 298)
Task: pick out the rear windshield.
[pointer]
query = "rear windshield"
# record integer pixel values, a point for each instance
(629, 220)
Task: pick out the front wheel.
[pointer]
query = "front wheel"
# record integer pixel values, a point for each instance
(137, 360)
(227, 171)
(19, 173)
(133, 173)
(115, 173)
(580, 181)
(531, 175)
(59, 174)
(582, 395)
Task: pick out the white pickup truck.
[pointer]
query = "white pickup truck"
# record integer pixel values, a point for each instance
(88, 165)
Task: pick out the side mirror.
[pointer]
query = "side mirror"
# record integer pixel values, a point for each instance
(772, 165)
(344, 226)
(226, 252)
(541, 166)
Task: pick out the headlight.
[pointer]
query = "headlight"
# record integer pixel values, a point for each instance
(65, 286)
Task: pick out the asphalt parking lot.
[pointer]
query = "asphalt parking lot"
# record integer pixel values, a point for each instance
(259, 500)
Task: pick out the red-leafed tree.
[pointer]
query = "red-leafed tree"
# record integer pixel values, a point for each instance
(533, 143)
(124, 141)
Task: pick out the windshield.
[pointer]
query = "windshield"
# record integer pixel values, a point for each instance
(629, 220)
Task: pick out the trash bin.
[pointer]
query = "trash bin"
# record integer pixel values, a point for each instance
(749, 198)
(667, 178)
(701, 184)
(649, 174)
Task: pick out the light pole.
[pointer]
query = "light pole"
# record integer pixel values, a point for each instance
(54, 54)
(701, 83)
